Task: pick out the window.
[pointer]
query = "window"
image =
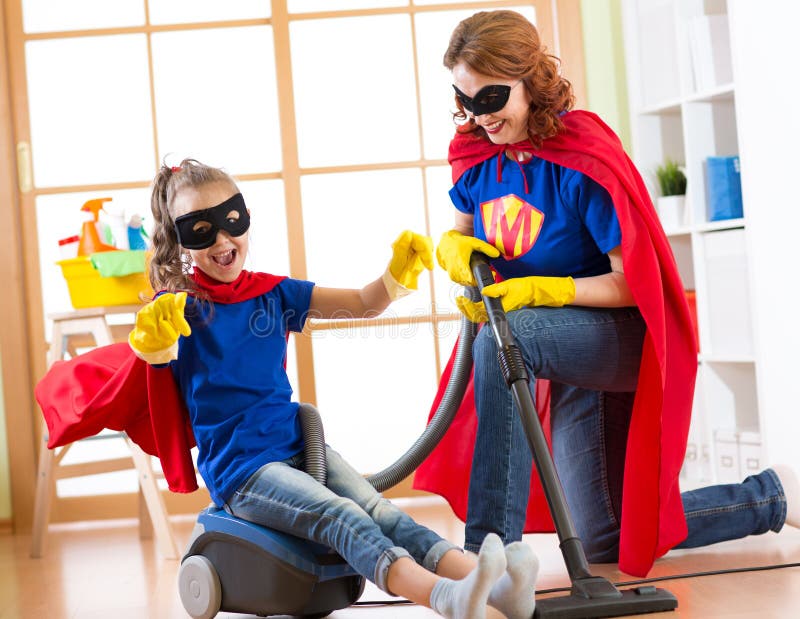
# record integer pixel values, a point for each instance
(337, 151)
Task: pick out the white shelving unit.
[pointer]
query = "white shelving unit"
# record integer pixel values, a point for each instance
(684, 97)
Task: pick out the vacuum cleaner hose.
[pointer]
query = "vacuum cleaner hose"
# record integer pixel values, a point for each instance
(407, 463)
(314, 435)
(446, 411)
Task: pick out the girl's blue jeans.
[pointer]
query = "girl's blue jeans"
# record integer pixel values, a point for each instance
(591, 357)
(348, 515)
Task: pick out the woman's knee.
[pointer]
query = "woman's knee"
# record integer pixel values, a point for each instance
(485, 351)
(602, 553)
(484, 348)
(601, 545)
(527, 327)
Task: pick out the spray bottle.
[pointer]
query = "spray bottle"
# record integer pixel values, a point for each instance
(115, 227)
(137, 236)
(90, 242)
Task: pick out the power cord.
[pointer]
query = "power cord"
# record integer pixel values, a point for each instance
(733, 570)
(626, 583)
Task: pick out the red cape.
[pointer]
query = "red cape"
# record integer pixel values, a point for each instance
(652, 511)
(110, 387)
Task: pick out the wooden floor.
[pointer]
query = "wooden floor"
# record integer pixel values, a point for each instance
(101, 570)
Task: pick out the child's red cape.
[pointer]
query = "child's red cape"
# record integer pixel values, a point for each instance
(110, 387)
(652, 511)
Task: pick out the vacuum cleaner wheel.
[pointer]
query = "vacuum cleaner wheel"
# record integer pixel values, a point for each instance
(199, 588)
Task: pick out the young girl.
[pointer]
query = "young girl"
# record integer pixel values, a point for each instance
(226, 343)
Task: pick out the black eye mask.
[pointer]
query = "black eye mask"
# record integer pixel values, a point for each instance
(199, 229)
(487, 100)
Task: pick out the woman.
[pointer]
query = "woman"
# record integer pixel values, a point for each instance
(596, 304)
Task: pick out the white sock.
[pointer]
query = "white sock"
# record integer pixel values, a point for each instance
(513, 594)
(791, 489)
(466, 598)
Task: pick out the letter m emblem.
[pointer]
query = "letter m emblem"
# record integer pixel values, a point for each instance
(512, 225)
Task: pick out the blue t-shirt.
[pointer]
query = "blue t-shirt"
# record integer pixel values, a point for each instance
(231, 374)
(564, 226)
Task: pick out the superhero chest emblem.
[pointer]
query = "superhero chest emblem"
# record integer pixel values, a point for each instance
(511, 224)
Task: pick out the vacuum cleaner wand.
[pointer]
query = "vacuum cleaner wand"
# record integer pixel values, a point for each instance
(591, 596)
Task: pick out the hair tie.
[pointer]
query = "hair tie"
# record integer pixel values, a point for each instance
(175, 168)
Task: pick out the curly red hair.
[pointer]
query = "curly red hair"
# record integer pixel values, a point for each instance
(505, 44)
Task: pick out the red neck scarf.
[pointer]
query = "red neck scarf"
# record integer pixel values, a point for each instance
(247, 286)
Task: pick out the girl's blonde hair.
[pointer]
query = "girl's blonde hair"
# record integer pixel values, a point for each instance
(170, 265)
(505, 44)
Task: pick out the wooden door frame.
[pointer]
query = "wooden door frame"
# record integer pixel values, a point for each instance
(16, 343)
(570, 48)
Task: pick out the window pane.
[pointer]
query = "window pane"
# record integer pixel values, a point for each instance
(59, 216)
(269, 244)
(350, 223)
(356, 102)
(216, 98)
(371, 416)
(309, 6)
(57, 15)
(90, 114)
(433, 32)
(193, 11)
(442, 218)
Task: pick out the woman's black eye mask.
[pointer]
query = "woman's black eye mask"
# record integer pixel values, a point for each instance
(487, 100)
(199, 229)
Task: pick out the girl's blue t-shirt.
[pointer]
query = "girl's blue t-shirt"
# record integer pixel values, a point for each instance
(231, 373)
(564, 225)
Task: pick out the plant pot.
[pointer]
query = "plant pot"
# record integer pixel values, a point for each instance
(671, 211)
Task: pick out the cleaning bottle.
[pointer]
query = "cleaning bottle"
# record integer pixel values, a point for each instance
(115, 226)
(137, 237)
(90, 242)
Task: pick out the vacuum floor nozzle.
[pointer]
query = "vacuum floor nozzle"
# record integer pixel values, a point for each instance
(636, 601)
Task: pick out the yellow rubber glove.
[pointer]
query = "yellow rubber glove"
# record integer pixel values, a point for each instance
(158, 326)
(521, 292)
(453, 254)
(411, 254)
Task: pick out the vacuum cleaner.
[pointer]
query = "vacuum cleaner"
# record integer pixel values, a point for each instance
(590, 596)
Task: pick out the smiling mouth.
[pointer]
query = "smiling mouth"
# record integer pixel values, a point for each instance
(225, 259)
(494, 127)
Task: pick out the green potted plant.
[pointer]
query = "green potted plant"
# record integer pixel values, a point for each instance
(671, 205)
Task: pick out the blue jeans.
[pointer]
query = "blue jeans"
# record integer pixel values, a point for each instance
(591, 356)
(348, 515)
